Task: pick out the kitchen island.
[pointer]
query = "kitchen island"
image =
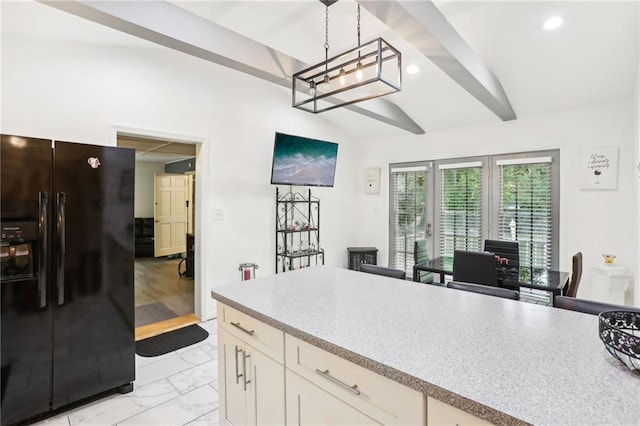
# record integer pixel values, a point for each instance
(502, 361)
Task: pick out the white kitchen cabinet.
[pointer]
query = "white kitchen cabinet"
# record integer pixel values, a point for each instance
(260, 368)
(251, 382)
(441, 414)
(233, 397)
(308, 404)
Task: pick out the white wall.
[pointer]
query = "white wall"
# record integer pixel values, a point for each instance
(145, 187)
(594, 222)
(637, 181)
(78, 92)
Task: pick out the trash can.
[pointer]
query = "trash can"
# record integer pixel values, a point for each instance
(609, 283)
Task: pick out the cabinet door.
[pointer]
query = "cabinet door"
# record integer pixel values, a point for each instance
(265, 390)
(441, 414)
(230, 373)
(307, 404)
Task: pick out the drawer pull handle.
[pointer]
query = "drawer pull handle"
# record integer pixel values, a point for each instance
(237, 325)
(326, 375)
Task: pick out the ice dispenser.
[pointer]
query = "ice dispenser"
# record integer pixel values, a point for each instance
(18, 249)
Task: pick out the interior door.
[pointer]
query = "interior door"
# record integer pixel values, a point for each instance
(191, 207)
(171, 214)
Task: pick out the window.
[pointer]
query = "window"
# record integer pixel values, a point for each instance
(527, 208)
(460, 207)
(508, 197)
(408, 212)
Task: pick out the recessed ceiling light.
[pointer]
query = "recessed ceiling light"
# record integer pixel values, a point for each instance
(412, 69)
(552, 23)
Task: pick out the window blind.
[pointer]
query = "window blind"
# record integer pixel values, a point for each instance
(460, 207)
(525, 209)
(407, 214)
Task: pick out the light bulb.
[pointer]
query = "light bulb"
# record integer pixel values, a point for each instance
(323, 87)
(312, 89)
(359, 72)
(342, 77)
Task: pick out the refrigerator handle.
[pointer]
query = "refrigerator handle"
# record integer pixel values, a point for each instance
(43, 237)
(60, 225)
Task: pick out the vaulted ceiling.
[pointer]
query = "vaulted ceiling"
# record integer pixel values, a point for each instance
(592, 59)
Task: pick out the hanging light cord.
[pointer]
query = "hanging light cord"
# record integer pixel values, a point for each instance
(326, 33)
(358, 24)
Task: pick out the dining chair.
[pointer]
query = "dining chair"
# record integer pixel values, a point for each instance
(588, 306)
(475, 267)
(421, 255)
(507, 249)
(381, 270)
(576, 274)
(483, 289)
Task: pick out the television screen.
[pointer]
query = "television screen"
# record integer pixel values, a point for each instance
(303, 161)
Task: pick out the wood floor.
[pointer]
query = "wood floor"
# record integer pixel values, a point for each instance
(156, 328)
(157, 280)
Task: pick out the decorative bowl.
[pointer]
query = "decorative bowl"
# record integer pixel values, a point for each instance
(620, 333)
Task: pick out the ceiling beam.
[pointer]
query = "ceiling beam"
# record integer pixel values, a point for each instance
(423, 25)
(168, 25)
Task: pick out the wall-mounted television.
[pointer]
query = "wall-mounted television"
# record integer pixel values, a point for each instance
(303, 161)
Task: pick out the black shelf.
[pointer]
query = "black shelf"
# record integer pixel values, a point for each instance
(297, 255)
(297, 231)
(288, 231)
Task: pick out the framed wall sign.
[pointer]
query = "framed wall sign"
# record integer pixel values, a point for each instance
(599, 167)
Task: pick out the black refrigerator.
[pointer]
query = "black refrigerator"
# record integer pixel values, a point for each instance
(66, 284)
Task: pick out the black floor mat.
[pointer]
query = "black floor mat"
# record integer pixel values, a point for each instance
(171, 341)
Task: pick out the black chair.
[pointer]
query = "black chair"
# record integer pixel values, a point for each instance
(421, 255)
(381, 270)
(588, 306)
(506, 249)
(576, 275)
(475, 267)
(144, 241)
(483, 289)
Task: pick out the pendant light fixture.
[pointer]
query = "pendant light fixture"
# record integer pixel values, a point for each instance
(365, 72)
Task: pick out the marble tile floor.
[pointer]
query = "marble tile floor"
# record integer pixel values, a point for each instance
(179, 388)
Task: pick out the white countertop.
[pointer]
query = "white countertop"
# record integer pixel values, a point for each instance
(536, 364)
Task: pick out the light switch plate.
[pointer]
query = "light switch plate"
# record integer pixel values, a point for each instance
(372, 180)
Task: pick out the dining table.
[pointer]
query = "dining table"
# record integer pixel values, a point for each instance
(512, 277)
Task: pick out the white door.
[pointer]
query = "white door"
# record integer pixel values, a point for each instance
(171, 195)
(191, 208)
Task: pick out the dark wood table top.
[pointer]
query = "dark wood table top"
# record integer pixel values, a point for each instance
(515, 277)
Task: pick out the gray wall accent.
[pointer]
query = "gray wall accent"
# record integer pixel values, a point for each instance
(180, 167)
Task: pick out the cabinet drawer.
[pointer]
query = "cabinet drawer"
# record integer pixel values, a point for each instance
(378, 397)
(261, 336)
(441, 414)
(307, 404)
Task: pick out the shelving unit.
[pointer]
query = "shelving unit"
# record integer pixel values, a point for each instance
(297, 231)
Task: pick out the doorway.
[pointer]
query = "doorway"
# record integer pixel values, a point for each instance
(164, 212)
